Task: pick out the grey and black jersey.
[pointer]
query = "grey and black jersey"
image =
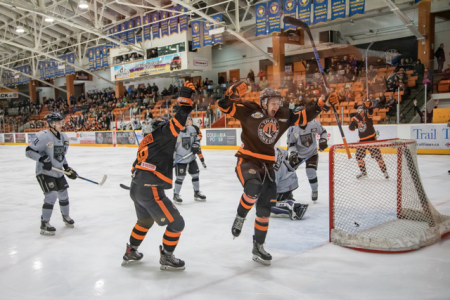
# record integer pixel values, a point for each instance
(303, 141)
(46, 143)
(285, 175)
(186, 138)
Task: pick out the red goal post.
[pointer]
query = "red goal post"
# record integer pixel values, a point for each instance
(376, 214)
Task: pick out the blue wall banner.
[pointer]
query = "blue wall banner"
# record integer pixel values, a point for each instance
(261, 19)
(98, 57)
(173, 20)
(123, 32)
(357, 7)
(290, 9)
(52, 69)
(62, 65)
(164, 24)
(274, 16)
(195, 34)
(320, 11)
(72, 61)
(217, 38)
(207, 39)
(137, 25)
(91, 59)
(147, 34)
(117, 34)
(155, 26)
(183, 19)
(105, 57)
(304, 11)
(337, 9)
(130, 32)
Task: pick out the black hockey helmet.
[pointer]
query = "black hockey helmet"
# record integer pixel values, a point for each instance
(51, 118)
(267, 94)
(161, 121)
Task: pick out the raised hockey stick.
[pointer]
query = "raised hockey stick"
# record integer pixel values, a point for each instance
(305, 27)
(78, 176)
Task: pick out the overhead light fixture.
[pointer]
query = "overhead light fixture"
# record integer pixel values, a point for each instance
(20, 29)
(83, 4)
(48, 19)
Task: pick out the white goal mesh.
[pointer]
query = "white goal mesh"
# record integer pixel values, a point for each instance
(373, 213)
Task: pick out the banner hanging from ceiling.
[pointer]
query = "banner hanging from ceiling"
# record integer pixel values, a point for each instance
(357, 7)
(338, 9)
(320, 11)
(261, 19)
(274, 16)
(290, 10)
(304, 11)
(195, 34)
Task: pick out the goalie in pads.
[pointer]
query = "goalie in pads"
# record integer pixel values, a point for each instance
(287, 181)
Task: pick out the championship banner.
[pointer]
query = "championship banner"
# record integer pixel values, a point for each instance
(290, 9)
(164, 23)
(67, 69)
(117, 34)
(274, 16)
(137, 25)
(72, 61)
(46, 70)
(261, 19)
(173, 21)
(62, 65)
(91, 59)
(109, 34)
(147, 34)
(105, 57)
(151, 66)
(123, 32)
(320, 11)
(357, 7)
(304, 11)
(217, 38)
(207, 39)
(183, 19)
(28, 71)
(337, 9)
(41, 72)
(98, 58)
(155, 26)
(52, 70)
(130, 32)
(195, 34)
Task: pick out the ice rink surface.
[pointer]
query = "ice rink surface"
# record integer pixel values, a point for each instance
(85, 262)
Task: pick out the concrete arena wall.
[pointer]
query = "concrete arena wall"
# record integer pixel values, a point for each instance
(431, 138)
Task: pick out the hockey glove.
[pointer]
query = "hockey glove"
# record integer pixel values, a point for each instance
(293, 159)
(204, 165)
(47, 162)
(186, 92)
(73, 175)
(236, 91)
(323, 144)
(195, 148)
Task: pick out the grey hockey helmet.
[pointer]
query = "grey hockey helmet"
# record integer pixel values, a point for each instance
(267, 94)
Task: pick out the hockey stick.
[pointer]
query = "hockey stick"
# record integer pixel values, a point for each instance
(305, 27)
(186, 156)
(78, 176)
(125, 187)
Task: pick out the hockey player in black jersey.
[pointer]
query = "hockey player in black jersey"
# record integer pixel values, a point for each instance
(363, 122)
(262, 127)
(151, 175)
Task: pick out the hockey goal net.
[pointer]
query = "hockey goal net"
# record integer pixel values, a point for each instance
(376, 214)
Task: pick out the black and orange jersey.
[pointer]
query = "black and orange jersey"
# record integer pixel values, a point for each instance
(154, 162)
(199, 132)
(364, 124)
(260, 132)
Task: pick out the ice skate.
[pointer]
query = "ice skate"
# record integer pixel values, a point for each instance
(314, 196)
(177, 199)
(386, 175)
(198, 196)
(47, 229)
(68, 221)
(237, 226)
(131, 255)
(361, 175)
(260, 255)
(168, 261)
(299, 211)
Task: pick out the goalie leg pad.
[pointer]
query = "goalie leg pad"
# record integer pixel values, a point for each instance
(299, 211)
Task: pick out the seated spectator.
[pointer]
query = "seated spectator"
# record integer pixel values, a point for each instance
(264, 83)
(392, 82)
(292, 104)
(419, 70)
(391, 105)
(406, 91)
(349, 75)
(371, 73)
(165, 92)
(261, 74)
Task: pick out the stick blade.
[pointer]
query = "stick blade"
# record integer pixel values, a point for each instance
(295, 22)
(125, 187)
(103, 180)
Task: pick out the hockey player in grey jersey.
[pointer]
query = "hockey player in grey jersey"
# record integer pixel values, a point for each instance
(49, 150)
(287, 181)
(187, 142)
(301, 141)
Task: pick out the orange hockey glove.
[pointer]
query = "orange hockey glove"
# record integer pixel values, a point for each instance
(186, 92)
(237, 90)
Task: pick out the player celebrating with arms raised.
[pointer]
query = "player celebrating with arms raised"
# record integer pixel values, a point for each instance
(49, 150)
(262, 127)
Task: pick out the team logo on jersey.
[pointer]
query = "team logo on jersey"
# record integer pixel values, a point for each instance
(49, 144)
(251, 171)
(163, 219)
(186, 143)
(58, 153)
(314, 130)
(362, 126)
(268, 130)
(282, 120)
(258, 115)
(306, 139)
(66, 143)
